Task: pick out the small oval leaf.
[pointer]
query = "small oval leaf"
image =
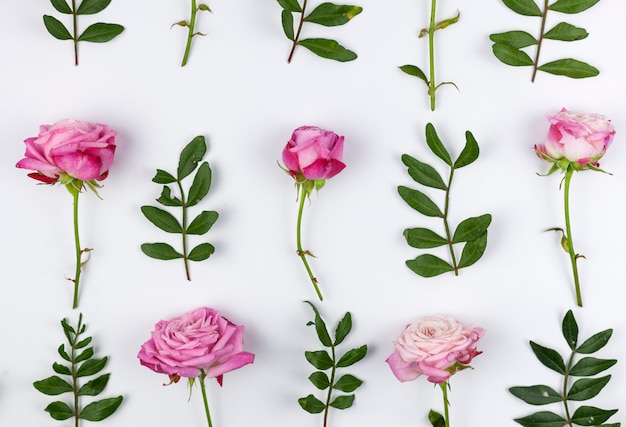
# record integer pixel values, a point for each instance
(348, 383)
(423, 173)
(511, 55)
(61, 6)
(202, 223)
(95, 386)
(588, 366)
(352, 356)
(163, 177)
(542, 419)
(160, 251)
(586, 388)
(201, 252)
(91, 366)
(516, 39)
(415, 71)
(572, 6)
(332, 15)
(536, 394)
(523, 7)
(422, 238)
(286, 18)
(56, 28)
(343, 402)
(59, 411)
(320, 380)
(435, 144)
(429, 265)
(566, 32)
(570, 329)
(89, 7)
(470, 151)
(53, 386)
(97, 411)
(100, 32)
(329, 49)
(591, 416)
(201, 185)
(343, 328)
(549, 357)
(595, 342)
(190, 156)
(320, 359)
(471, 228)
(473, 251)
(311, 404)
(570, 68)
(162, 219)
(290, 5)
(419, 201)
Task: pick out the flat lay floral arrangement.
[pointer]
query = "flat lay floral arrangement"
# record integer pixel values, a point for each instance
(294, 232)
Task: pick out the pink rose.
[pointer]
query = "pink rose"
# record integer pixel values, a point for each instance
(581, 139)
(313, 153)
(201, 339)
(81, 150)
(436, 346)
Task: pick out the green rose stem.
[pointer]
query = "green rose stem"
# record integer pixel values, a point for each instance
(540, 41)
(431, 54)
(302, 253)
(206, 402)
(295, 40)
(192, 24)
(75, 192)
(444, 389)
(447, 226)
(184, 230)
(568, 231)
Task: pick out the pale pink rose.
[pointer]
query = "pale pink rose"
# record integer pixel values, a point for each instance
(81, 150)
(313, 153)
(436, 346)
(201, 339)
(582, 139)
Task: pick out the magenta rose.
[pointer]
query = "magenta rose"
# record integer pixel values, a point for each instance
(82, 150)
(313, 153)
(198, 340)
(436, 346)
(581, 139)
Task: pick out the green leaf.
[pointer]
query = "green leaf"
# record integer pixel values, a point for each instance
(591, 416)
(53, 386)
(570, 329)
(536, 394)
(95, 386)
(56, 28)
(572, 6)
(348, 383)
(470, 151)
(516, 39)
(200, 186)
(61, 6)
(423, 173)
(422, 238)
(542, 419)
(352, 356)
(204, 7)
(63, 353)
(59, 411)
(588, 366)
(447, 22)
(163, 177)
(202, 223)
(329, 49)
(320, 380)
(570, 68)
(566, 32)
(415, 71)
(100, 32)
(83, 343)
(286, 18)
(160, 251)
(419, 201)
(436, 419)
(435, 144)
(343, 402)
(549, 357)
(97, 411)
(311, 404)
(595, 342)
(429, 265)
(190, 156)
(201, 252)
(61, 369)
(473, 251)
(471, 228)
(89, 7)
(343, 328)
(290, 5)
(523, 7)
(320, 359)
(511, 55)
(166, 198)
(91, 367)
(162, 219)
(86, 354)
(320, 327)
(587, 388)
(332, 15)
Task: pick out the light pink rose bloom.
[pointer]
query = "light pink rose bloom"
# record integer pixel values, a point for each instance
(582, 139)
(435, 346)
(201, 339)
(313, 153)
(81, 150)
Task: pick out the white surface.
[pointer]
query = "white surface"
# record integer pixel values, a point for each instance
(239, 92)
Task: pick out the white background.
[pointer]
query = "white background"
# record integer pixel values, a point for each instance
(239, 92)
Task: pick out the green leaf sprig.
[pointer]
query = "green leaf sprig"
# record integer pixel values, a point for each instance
(582, 389)
(326, 14)
(99, 32)
(507, 46)
(414, 70)
(323, 361)
(191, 26)
(472, 231)
(190, 157)
(78, 363)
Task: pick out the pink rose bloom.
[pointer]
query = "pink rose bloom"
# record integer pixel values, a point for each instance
(82, 150)
(582, 139)
(436, 346)
(313, 153)
(201, 339)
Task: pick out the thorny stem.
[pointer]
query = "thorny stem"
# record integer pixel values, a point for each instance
(444, 389)
(184, 230)
(570, 243)
(431, 54)
(192, 25)
(78, 250)
(204, 397)
(565, 378)
(330, 387)
(295, 40)
(302, 253)
(540, 41)
(447, 226)
(75, 38)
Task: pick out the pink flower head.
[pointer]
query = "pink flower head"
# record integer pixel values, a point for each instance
(313, 153)
(581, 139)
(82, 150)
(436, 346)
(201, 339)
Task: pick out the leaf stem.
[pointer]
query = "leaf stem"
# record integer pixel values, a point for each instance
(565, 378)
(295, 39)
(447, 226)
(330, 387)
(544, 15)
(184, 228)
(192, 25)
(444, 389)
(74, 370)
(204, 398)
(431, 54)
(78, 251)
(302, 253)
(75, 30)
(568, 230)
